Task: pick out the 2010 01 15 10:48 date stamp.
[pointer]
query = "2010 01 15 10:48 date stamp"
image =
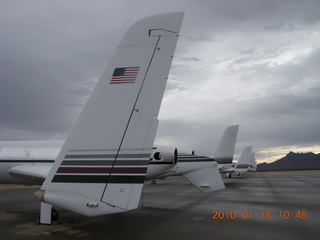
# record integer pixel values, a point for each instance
(267, 214)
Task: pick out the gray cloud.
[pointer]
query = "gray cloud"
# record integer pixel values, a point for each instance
(253, 63)
(289, 27)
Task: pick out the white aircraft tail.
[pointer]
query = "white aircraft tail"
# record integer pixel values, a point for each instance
(102, 165)
(225, 150)
(252, 162)
(245, 158)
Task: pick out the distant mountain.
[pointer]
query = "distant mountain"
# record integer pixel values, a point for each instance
(293, 161)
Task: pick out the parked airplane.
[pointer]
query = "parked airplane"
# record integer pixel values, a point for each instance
(165, 156)
(253, 165)
(29, 162)
(223, 155)
(225, 149)
(103, 163)
(245, 162)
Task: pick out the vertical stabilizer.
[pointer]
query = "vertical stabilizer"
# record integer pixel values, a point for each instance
(225, 150)
(245, 158)
(102, 165)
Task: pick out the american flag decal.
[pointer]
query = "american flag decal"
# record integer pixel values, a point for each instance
(124, 75)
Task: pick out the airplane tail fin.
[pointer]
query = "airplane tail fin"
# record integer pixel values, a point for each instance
(102, 165)
(254, 163)
(207, 179)
(245, 158)
(225, 150)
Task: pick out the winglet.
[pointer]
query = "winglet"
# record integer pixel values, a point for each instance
(102, 166)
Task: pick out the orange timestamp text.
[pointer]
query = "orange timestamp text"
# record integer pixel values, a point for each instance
(268, 214)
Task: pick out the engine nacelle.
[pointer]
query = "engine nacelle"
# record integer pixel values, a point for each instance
(167, 154)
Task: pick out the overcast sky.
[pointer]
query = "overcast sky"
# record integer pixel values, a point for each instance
(255, 63)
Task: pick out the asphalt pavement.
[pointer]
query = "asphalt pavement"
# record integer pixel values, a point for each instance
(259, 205)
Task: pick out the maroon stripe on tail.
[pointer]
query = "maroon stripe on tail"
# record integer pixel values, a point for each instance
(101, 170)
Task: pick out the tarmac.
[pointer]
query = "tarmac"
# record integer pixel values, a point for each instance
(260, 205)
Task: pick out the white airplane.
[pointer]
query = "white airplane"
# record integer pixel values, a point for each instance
(102, 165)
(29, 162)
(225, 149)
(253, 163)
(245, 161)
(173, 161)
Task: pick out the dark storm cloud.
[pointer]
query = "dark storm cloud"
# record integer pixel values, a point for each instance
(253, 63)
(50, 60)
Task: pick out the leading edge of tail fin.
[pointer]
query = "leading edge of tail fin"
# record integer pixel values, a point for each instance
(102, 165)
(225, 150)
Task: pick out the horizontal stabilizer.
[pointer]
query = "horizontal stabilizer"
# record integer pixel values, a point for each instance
(206, 179)
(37, 173)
